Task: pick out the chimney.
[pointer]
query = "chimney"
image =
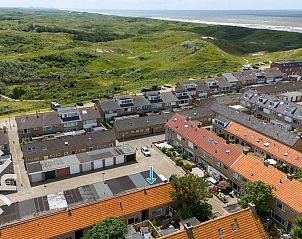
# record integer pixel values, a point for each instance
(68, 210)
(199, 125)
(189, 230)
(290, 176)
(266, 163)
(37, 114)
(252, 207)
(145, 190)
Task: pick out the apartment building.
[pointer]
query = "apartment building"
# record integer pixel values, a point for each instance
(74, 221)
(261, 145)
(290, 67)
(270, 108)
(278, 133)
(244, 224)
(68, 145)
(229, 162)
(65, 119)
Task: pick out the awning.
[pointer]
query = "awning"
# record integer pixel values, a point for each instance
(212, 180)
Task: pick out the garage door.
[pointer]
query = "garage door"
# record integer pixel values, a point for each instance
(63, 172)
(37, 177)
(50, 175)
(120, 159)
(86, 167)
(108, 162)
(74, 169)
(98, 164)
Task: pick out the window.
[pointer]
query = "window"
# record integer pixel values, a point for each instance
(133, 220)
(178, 137)
(157, 213)
(278, 218)
(218, 164)
(190, 144)
(236, 176)
(24, 131)
(31, 149)
(280, 205)
(234, 227)
(220, 232)
(70, 124)
(47, 128)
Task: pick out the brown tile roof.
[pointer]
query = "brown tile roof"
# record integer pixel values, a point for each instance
(287, 191)
(208, 141)
(248, 226)
(273, 147)
(88, 214)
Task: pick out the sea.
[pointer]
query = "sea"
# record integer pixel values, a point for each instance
(282, 20)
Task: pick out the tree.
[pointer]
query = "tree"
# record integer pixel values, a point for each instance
(258, 193)
(192, 194)
(110, 228)
(297, 231)
(298, 174)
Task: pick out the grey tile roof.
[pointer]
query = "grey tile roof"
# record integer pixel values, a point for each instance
(280, 108)
(154, 120)
(51, 118)
(279, 87)
(229, 77)
(108, 105)
(168, 97)
(74, 143)
(140, 101)
(256, 124)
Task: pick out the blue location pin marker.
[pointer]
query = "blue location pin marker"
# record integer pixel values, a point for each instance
(151, 180)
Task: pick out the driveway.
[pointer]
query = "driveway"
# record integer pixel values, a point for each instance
(160, 162)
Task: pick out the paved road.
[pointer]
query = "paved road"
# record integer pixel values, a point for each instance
(23, 184)
(161, 163)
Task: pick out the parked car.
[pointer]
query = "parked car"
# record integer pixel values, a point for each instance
(146, 151)
(55, 105)
(94, 100)
(80, 104)
(156, 87)
(146, 89)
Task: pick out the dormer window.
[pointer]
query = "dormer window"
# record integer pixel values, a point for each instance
(290, 109)
(262, 100)
(220, 232)
(273, 103)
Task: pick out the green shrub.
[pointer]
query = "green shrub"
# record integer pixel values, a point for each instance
(188, 167)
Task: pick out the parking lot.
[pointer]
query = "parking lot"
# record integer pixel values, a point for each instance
(160, 162)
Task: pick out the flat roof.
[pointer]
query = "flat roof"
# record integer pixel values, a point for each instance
(36, 207)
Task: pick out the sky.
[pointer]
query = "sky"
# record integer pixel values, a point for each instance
(157, 4)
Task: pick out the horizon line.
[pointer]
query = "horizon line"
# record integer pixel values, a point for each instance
(124, 9)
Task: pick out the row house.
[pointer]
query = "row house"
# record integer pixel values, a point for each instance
(155, 124)
(272, 130)
(65, 119)
(54, 148)
(244, 224)
(290, 67)
(270, 108)
(229, 162)
(254, 77)
(261, 145)
(205, 88)
(73, 219)
(154, 101)
(279, 88)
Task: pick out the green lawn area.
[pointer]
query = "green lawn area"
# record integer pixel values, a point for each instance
(70, 57)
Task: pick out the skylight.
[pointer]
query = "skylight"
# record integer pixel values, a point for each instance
(267, 144)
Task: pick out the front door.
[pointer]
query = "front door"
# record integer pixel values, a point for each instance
(145, 215)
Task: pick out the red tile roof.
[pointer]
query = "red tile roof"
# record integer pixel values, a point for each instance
(246, 224)
(266, 144)
(208, 141)
(287, 191)
(88, 214)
